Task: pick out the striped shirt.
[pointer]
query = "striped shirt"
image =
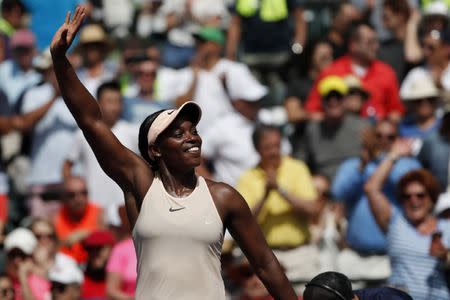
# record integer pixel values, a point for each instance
(412, 267)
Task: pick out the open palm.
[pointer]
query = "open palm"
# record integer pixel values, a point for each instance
(65, 35)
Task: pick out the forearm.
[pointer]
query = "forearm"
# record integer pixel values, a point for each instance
(301, 27)
(304, 207)
(413, 50)
(275, 281)
(27, 121)
(67, 169)
(80, 102)
(234, 35)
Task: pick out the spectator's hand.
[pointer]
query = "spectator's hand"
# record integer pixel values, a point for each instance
(25, 269)
(402, 147)
(437, 248)
(77, 236)
(414, 18)
(65, 35)
(271, 180)
(369, 146)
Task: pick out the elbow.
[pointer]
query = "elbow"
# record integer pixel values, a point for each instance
(370, 188)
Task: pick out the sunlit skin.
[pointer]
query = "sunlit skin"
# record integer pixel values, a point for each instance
(416, 203)
(111, 105)
(76, 199)
(269, 149)
(385, 134)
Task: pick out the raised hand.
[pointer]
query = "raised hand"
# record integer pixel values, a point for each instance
(65, 35)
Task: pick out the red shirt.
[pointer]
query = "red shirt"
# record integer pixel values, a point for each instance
(380, 81)
(93, 289)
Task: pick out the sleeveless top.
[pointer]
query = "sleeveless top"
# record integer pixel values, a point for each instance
(178, 244)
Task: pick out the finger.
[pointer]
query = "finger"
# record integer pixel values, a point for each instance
(67, 17)
(75, 15)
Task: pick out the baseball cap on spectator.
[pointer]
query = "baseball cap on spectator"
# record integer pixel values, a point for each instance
(43, 61)
(99, 238)
(436, 8)
(355, 86)
(22, 239)
(329, 286)
(65, 271)
(421, 87)
(211, 34)
(23, 38)
(332, 84)
(443, 203)
(93, 33)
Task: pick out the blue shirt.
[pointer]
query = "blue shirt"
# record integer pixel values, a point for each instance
(47, 16)
(363, 233)
(410, 129)
(412, 267)
(135, 110)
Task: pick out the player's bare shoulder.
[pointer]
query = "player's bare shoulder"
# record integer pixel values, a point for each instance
(225, 197)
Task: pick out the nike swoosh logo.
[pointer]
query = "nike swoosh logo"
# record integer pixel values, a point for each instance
(170, 112)
(176, 209)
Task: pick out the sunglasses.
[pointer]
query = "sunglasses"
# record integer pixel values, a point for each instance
(40, 236)
(145, 73)
(72, 195)
(420, 196)
(7, 292)
(389, 137)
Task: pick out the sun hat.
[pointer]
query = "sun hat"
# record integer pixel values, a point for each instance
(419, 87)
(21, 238)
(93, 33)
(332, 84)
(43, 61)
(211, 34)
(99, 238)
(164, 119)
(65, 270)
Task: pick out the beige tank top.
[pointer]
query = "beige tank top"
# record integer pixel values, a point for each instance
(178, 244)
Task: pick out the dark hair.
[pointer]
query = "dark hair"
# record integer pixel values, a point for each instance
(354, 33)
(143, 141)
(329, 286)
(425, 178)
(399, 7)
(108, 85)
(9, 5)
(259, 131)
(444, 129)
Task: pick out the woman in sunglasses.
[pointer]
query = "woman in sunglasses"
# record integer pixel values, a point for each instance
(178, 218)
(415, 237)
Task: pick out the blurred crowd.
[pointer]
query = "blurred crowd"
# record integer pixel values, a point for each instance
(331, 118)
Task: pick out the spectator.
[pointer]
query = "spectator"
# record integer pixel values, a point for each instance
(435, 152)
(136, 109)
(396, 51)
(318, 57)
(121, 268)
(343, 15)
(77, 218)
(45, 17)
(94, 47)
(281, 195)
(66, 279)
(213, 81)
(378, 78)
(421, 99)
(12, 12)
(50, 141)
(416, 253)
(19, 246)
(47, 245)
(336, 137)
(102, 190)
(435, 15)
(365, 257)
(98, 245)
(183, 19)
(17, 74)
(263, 28)
(150, 22)
(436, 52)
(357, 95)
(6, 288)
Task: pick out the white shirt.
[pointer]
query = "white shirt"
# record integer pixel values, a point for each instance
(52, 136)
(14, 81)
(103, 191)
(92, 83)
(228, 143)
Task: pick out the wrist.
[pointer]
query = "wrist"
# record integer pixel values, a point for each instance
(392, 157)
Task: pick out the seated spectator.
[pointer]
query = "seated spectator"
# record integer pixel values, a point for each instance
(213, 81)
(365, 257)
(6, 288)
(281, 195)
(47, 245)
(137, 108)
(421, 99)
(12, 12)
(94, 47)
(66, 279)
(357, 95)
(19, 246)
(17, 74)
(435, 152)
(103, 192)
(318, 57)
(98, 245)
(378, 78)
(337, 137)
(416, 253)
(121, 269)
(77, 218)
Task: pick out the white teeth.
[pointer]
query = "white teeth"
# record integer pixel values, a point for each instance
(193, 149)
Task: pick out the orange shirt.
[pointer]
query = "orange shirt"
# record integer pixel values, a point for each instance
(65, 227)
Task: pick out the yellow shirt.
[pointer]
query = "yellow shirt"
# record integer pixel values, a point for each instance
(279, 223)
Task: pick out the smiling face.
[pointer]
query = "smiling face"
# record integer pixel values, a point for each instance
(179, 146)
(416, 202)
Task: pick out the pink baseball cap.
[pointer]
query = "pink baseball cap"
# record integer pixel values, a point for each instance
(164, 119)
(23, 38)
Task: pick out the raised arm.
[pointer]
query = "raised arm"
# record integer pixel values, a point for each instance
(127, 169)
(379, 203)
(239, 221)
